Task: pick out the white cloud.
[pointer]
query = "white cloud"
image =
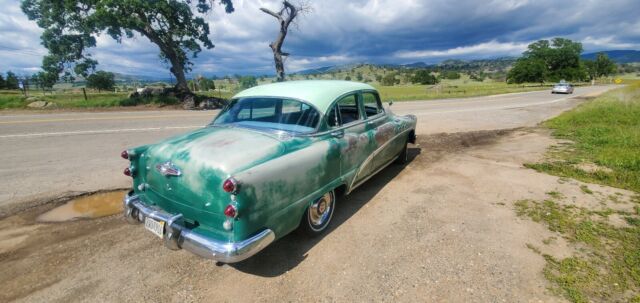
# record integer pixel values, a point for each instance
(492, 48)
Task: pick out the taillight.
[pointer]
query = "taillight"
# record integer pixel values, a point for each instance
(230, 211)
(124, 154)
(127, 172)
(230, 185)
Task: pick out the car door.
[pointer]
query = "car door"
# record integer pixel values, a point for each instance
(347, 126)
(378, 130)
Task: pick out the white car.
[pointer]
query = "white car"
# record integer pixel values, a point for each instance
(562, 88)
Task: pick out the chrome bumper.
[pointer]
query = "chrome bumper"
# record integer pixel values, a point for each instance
(176, 236)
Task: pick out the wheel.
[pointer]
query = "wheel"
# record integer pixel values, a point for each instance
(403, 157)
(319, 214)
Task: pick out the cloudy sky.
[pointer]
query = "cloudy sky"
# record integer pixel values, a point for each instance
(355, 31)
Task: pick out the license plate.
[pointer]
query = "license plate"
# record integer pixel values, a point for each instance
(156, 227)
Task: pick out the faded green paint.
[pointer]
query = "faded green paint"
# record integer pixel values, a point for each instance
(320, 93)
(279, 176)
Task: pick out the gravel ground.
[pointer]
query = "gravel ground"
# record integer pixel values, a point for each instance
(440, 229)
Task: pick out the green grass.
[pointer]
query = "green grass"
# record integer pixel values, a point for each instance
(605, 131)
(15, 100)
(607, 266)
(452, 89)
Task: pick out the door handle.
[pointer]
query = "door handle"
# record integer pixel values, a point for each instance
(337, 133)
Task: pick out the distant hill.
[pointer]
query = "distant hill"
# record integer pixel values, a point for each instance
(619, 56)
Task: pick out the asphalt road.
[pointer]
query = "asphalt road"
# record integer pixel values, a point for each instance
(48, 155)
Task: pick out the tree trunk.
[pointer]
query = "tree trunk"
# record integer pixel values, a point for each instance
(277, 58)
(181, 87)
(285, 16)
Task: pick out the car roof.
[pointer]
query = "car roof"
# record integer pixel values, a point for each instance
(320, 93)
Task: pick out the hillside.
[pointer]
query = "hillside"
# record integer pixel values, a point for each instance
(619, 56)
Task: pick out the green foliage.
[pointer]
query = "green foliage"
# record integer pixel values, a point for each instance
(477, 76)
(347, 78)
(70, 27)
(206, 84)
(359, 76)
(527, 70)
(247, 82)
(12, 81)
(451, 75)
(2, 82)
(602, 66)
(549, 61)
(606, 131)
(389, 79)
(101, 80)
(424, 77)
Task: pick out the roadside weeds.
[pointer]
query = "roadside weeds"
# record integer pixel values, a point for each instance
(601, 139)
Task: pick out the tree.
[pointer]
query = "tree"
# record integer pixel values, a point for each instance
(527, 70)
(451, 75)
(45, 80)
(347, 78)
(602, 66)
(12, 81)
(101, 80)
(247, 82)
(70, 27)
(549, 61)
(206, 84)
(424, 77)
(389, 79)
(2, 83)
(285, 16)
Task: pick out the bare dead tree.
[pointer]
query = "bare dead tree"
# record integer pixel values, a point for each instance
(286, 17)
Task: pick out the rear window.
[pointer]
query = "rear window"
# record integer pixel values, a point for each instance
(270, 113)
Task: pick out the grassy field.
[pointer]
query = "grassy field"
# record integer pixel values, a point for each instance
(14, 99)
(68, 96)
(447, 89)
(453, 89)
(606, 136)
(605, 149)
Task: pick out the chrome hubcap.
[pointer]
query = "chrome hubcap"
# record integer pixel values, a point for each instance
(320, 210)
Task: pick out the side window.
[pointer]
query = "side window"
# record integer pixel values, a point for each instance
(348, 109)
(333, 119)
(372, 105)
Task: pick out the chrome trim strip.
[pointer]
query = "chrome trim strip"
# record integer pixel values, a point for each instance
(373, 154)
(371, 175)
(177, 236)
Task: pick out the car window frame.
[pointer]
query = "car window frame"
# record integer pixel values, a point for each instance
(334, 105)
(378, 101)
(313, 106)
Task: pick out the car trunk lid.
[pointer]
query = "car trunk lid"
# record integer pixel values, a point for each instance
(188, 171)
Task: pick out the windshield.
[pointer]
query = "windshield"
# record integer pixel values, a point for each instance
(271, 113)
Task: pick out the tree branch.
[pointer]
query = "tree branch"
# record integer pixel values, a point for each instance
(277, 16)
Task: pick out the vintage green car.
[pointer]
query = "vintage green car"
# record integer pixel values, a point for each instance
(272, 161)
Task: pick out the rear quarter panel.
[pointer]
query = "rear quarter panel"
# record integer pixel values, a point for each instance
(275, 194)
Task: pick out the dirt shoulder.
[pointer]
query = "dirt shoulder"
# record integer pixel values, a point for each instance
(443, 228)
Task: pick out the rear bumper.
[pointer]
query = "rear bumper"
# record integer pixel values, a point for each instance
(177, 236)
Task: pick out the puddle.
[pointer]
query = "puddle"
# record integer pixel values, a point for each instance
(86, 207)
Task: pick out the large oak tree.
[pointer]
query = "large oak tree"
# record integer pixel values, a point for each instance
(546, 60)
(71, 26)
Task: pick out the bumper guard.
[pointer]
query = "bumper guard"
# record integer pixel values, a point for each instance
(177, 236)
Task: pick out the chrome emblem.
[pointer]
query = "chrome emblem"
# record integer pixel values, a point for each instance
(168, 169)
